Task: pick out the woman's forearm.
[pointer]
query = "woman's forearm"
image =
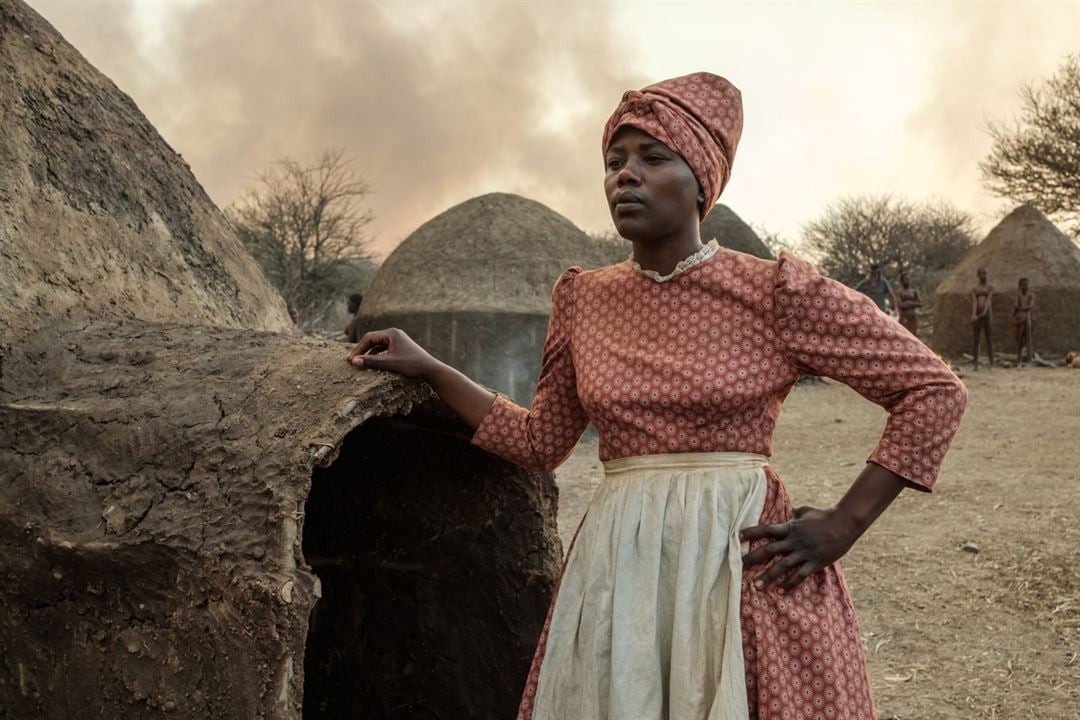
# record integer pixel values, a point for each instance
(466, 398)
(873, 490)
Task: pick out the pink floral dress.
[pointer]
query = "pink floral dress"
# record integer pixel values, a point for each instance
(702, 363)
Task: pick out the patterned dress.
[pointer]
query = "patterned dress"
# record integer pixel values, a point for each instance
(702, 363)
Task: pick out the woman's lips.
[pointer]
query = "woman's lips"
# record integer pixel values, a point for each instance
(628, 203)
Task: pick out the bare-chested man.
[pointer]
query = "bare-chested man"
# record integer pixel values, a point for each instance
(909, 304)
(1022, 321)
(981, 315)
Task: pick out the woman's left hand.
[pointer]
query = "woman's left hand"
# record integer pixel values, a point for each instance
(811, 540)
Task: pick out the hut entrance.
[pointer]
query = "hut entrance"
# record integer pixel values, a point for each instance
(412, 540)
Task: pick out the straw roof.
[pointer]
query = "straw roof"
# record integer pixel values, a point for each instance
(98, 215)
(494, 253)
(731, 232)
(1023, 244)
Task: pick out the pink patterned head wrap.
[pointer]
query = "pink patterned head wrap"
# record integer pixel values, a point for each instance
(699, 116)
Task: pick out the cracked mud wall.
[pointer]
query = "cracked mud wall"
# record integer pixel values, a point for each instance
(152, 517)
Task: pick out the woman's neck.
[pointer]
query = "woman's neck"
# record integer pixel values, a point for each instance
(663, 254)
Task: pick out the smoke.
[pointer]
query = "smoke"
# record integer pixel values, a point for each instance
(441, 102)
(978, 72)
(435, 103)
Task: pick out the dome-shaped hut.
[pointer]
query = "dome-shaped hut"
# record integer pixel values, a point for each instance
(731, 232)
(203, 515)
(1024, 244)
(473, 286)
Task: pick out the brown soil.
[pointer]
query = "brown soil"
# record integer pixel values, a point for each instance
(948, 633)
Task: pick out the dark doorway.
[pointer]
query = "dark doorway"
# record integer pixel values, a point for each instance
(435, 560)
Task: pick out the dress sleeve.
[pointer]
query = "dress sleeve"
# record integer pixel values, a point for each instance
(542, 437)
(826, 328)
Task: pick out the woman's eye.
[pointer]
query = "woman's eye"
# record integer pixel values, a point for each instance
(613, 163)
(656, 158)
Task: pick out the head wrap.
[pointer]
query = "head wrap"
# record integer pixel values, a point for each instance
(698, 116)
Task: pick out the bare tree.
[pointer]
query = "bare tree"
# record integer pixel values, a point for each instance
(855, 232)
(305, 225)
(1036, 158)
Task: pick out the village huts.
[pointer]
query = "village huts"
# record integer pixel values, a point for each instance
(731, 232)
(473, 286)
(203, 515)
(1024, 244)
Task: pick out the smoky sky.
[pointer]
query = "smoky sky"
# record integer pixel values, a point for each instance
(435, 104)
(440, 102)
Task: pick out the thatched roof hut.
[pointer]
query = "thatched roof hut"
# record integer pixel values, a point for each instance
(473, 286)
(731, 232)
(98, 214)
(496, 253)
(1024, 244)
(203, 515)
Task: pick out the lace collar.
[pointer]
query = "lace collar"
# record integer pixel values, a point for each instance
(707, 251)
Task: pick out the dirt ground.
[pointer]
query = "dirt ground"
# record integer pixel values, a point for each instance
(948, 633)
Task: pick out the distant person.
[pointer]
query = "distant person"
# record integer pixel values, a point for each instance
(981, 314)
(352, 330)
(294, 315)
(910, 302)
(1022, 321)
(877, 288)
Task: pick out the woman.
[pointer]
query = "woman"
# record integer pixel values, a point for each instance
(681, 356)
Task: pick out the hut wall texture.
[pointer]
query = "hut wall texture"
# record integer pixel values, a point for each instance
(153, 531)
(1056, 321)
(1023, 244)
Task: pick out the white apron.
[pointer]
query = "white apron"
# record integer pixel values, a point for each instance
(646, 623)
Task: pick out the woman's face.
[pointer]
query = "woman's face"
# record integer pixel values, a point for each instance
(984, 275)
(650, 189)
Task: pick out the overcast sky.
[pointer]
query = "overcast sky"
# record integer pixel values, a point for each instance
(439, 102)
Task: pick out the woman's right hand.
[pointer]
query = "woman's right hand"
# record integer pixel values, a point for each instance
(392, 350)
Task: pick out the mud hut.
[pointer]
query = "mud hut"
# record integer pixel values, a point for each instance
(731, 232)
(203, 515)
(1024, 244)
(473, 286)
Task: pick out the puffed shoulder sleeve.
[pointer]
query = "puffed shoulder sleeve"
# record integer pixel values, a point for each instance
(826, 328)
(542, 437)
